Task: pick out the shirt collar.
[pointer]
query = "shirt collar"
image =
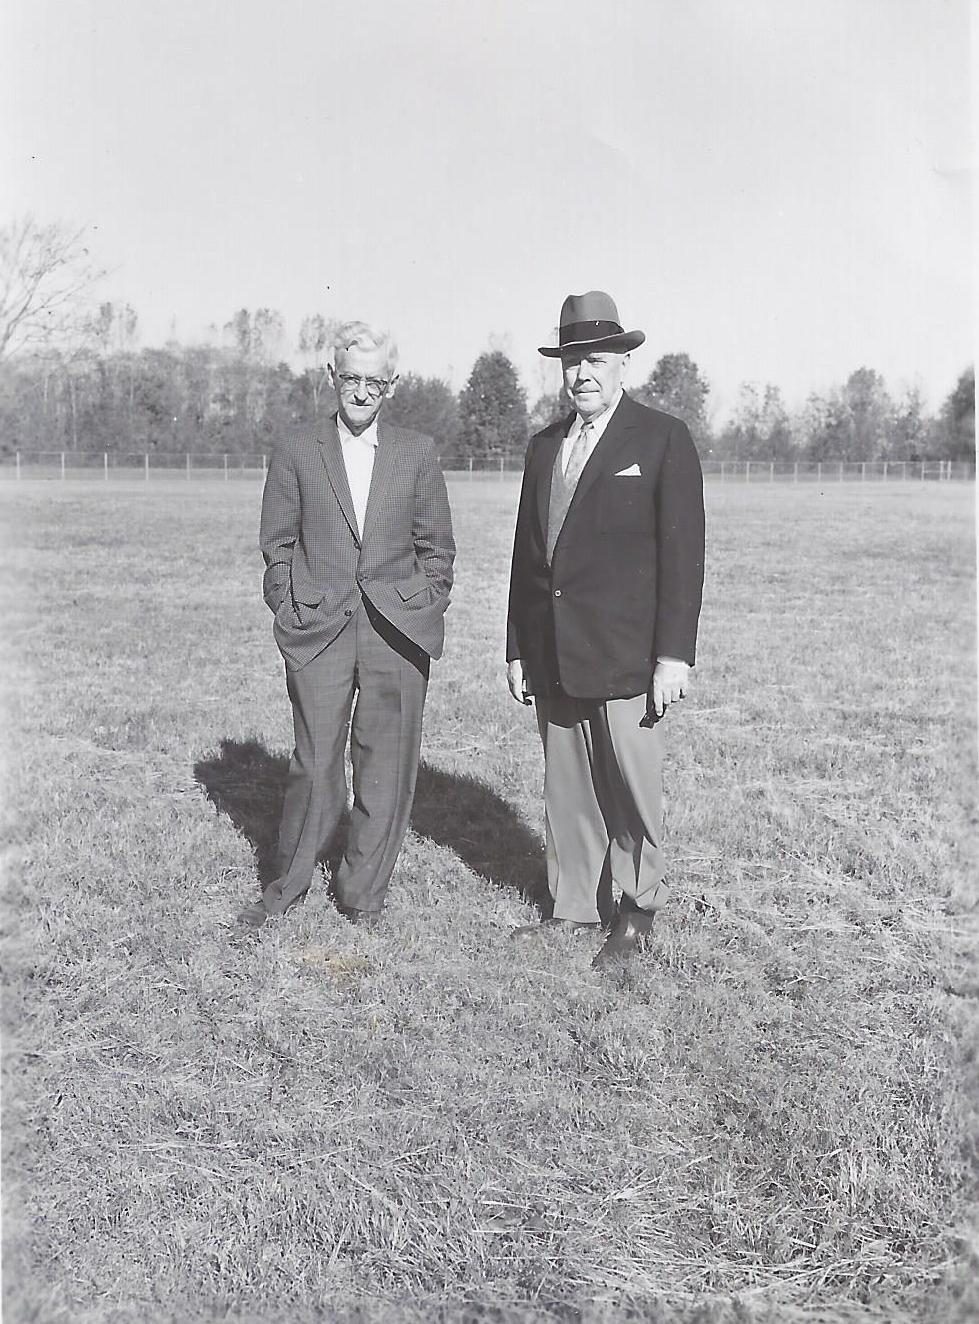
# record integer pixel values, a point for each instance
(599, 424)
(368, 436)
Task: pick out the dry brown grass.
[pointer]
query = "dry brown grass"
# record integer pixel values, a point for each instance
(767, 1118)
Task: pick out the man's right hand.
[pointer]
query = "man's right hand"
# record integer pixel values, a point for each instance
(517, 681)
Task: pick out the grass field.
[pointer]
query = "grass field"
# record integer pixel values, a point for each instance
(771, 1116)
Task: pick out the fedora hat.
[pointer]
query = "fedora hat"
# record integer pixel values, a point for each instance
(591, 321)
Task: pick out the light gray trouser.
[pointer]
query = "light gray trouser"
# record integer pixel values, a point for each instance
(603, 805)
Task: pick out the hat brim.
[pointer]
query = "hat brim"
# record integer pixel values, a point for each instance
(620, 343)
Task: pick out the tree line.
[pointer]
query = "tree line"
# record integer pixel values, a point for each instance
(74, 377)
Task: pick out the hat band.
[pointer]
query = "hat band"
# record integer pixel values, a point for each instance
(576, 332)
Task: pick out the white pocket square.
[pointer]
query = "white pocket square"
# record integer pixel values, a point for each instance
(633, 471)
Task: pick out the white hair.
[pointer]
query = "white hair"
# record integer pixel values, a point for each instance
(361, 335)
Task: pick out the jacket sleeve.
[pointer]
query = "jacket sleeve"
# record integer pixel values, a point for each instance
(281, 512)
(680, 547)
(518, 560)
(432, 524)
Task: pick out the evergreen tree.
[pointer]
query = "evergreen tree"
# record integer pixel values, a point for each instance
(957, 424)
(676, 386)
(428, 405)
(492, 410)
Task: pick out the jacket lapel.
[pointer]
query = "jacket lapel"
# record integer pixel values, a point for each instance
(336, 471)
(384, 458)
(548, 455)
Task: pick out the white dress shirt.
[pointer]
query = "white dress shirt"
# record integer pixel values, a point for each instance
(358, 460)
(598, 426)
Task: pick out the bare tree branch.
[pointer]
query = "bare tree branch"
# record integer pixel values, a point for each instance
(45, 271)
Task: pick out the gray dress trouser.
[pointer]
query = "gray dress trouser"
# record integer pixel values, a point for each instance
(372, 667)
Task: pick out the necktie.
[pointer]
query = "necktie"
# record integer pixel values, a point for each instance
(563, 486)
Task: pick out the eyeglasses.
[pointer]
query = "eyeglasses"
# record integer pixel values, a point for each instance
(349, 381)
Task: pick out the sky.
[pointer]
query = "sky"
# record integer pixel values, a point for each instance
(779, 188)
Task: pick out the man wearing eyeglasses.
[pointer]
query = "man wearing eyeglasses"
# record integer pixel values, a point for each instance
(357, 539)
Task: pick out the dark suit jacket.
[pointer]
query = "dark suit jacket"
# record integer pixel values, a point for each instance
(628, 570)
(317, 562)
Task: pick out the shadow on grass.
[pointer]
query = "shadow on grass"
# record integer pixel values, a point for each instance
(248, 784)
(463, 813)
(457, 811)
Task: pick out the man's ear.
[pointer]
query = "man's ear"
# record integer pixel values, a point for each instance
(392, 386)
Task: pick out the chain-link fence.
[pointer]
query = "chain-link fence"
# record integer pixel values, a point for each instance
(109, 465)
(767, 471)
(839, 471)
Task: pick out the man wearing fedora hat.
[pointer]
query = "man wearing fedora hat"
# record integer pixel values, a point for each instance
(605, 594)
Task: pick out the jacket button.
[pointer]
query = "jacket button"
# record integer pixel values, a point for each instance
(557, 592)
(348, 612)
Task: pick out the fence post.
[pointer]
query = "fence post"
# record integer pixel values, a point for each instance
(747, 471)
(795, 472)
(146, 465)
(841, 471)
(470, 468)
(105, 460)
(62, 464)
(922, 471)
(771, 471)
(722, 471)
(226, 466)
(18, 466)
(187, 457)
(863, 470)
(501, 468)
(885, 469)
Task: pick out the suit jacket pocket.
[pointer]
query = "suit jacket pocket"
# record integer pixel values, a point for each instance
(294, 614)
(626, 505)
(410, 588)
(308, 595)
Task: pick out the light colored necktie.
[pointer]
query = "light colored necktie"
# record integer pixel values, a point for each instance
(563, 486)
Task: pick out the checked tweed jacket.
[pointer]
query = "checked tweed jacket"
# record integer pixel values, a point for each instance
(317, 562)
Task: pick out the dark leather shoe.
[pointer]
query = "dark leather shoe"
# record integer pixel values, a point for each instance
(550, 926)
(625, 936)
(364, 919)
(252, 917)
